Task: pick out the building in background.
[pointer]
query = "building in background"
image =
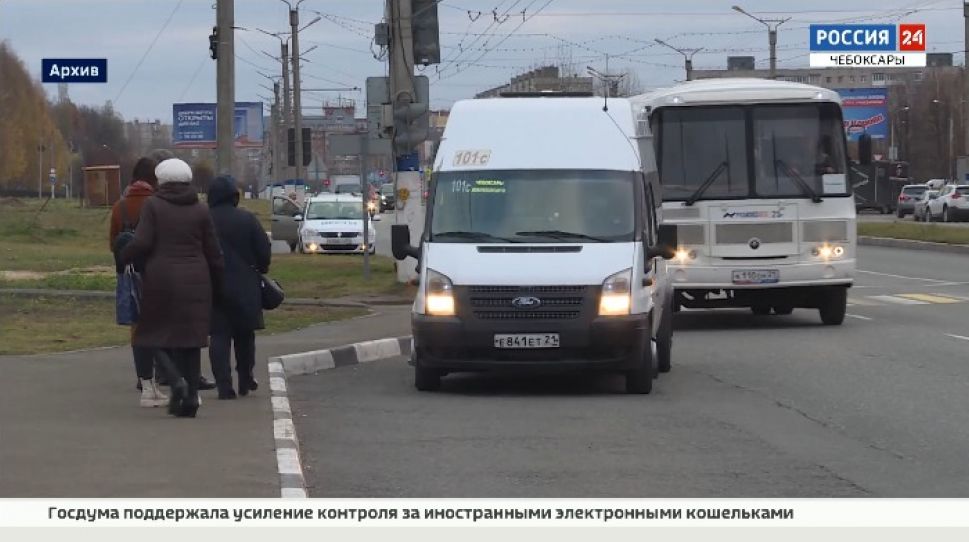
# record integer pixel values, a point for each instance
(144, 136)
(833, 78)
(547, 78)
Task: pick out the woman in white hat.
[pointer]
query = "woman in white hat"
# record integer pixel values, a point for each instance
(183, 268)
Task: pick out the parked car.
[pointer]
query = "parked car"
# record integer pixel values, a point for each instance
(388, 199)
(334, 223)
(921, 205)
(907, 197)
(952, 205)
(285, 226)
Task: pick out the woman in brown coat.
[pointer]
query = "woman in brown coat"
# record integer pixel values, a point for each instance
(183, 267)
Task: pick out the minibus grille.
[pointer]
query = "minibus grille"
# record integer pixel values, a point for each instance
(497, 302)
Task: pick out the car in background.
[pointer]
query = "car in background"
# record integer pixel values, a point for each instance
(388, 199)
(907, 197)
(334, 223)
(952, 205)
(920, 207)
(348, 188)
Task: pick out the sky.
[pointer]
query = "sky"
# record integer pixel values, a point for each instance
(157, 50)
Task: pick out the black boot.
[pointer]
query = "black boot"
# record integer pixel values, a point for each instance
(179, 394)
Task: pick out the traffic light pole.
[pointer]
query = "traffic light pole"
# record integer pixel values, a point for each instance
(407, 180)
(225, 83)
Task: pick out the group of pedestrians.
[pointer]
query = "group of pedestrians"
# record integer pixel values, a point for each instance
(200, 271)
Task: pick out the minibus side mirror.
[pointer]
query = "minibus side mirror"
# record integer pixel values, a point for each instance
(400, 243)
(665, 246)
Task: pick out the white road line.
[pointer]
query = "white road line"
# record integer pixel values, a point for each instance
(900, 276)
(898, 300)
(957, 337)
(858, 316)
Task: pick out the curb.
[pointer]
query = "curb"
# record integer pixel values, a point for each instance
(100, 294)
(292, 483)
(912, 244)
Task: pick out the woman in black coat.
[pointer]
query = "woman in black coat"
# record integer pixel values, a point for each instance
(247, 252)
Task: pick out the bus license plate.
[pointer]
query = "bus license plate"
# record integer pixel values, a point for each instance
(756, 276)
(527, 340)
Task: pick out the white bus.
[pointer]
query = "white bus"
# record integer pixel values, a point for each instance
(754, 176)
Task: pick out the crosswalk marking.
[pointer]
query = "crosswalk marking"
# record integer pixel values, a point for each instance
(931, 298)
(898, 300)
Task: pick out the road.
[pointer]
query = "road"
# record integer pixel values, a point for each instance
(774, 406)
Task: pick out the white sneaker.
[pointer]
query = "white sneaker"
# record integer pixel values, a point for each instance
(150, 396)
(159, 395)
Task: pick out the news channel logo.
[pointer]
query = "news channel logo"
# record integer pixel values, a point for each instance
(867, 45)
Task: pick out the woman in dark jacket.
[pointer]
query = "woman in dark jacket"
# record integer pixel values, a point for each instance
(176, 239)
(246, 249)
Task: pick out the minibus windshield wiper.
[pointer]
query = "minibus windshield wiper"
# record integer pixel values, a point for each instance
(721, 167)
(801, 183)
(473, 236)
(559, 234)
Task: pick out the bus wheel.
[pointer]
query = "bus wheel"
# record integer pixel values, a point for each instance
(834, 306)
(783, 310)
(760, 310)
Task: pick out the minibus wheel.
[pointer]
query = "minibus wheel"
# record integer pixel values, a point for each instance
(640, 380)
(664, 344)
(425, 379)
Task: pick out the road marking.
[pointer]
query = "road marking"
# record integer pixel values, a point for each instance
(898, 300)
(957, 337)
(900, 276)
(860, 301)
(931, 298)
(858, 316)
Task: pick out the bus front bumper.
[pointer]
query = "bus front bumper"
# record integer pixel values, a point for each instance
(831, 273)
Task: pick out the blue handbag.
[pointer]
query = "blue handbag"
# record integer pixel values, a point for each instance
(128, 296)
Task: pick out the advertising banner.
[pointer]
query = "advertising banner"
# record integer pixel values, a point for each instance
(194, 125)
(865, 111)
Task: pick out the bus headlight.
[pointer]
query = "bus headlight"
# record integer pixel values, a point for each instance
(616, 290)
(828, 252)
(683, 256)
(439, 294)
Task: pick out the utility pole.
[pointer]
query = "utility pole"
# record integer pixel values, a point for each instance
(403, 95)
(297, 101)
(274, 115)
(687, 57)
(965, 78)
(771, 25)
(225, 83)
(40, 170)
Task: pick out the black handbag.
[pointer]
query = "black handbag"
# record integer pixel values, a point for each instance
(272, 293)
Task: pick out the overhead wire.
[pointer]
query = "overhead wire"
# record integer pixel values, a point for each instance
(148, 51)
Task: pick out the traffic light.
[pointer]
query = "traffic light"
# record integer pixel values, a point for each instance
(424, 29)
(411, 119)
(291, 146)
(214, 43)
(864, 149)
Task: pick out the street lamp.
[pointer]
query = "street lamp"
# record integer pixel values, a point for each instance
(771, 25)
(687, 56)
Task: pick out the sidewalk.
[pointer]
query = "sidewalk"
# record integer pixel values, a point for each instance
(70, 424)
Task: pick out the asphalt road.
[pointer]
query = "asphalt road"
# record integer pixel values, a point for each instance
(774, 406)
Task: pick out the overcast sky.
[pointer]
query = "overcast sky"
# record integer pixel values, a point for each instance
(177, 67)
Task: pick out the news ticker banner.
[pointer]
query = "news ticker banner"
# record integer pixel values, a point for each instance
(867, 45)
(485, 513)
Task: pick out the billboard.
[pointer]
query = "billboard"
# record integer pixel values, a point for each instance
(865, 111)
(194, 125)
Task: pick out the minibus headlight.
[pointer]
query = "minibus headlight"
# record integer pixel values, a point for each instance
(616, 290)
(439, 294)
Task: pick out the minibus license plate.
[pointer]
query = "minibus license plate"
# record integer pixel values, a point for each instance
(527, 340)
(756, 276)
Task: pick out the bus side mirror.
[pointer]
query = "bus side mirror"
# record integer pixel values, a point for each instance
(400, 243)
(665, 246)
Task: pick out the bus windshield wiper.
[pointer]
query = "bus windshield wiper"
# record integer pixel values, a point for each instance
(559, 234)
(474, 236)
(801, 183)
(721, 167)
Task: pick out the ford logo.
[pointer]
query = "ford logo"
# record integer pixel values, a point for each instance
(526, 302)
(754, 243)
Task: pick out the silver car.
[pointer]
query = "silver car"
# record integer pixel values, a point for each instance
(921, 205)
(907, 197)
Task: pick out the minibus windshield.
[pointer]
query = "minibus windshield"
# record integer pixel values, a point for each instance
(533, 206)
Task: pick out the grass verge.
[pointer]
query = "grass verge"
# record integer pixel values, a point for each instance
(915, 231)
(37, 325)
